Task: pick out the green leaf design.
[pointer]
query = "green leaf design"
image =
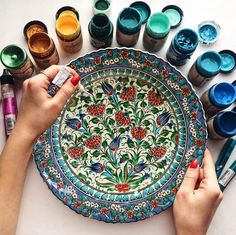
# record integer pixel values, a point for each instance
(130, 143)
(87, 100)
(140, 96)
(118, 88)
(126, 104)
(111, 121)
(146, 122)
(96, 153)
(104, 144)
(99, 95)
(122, 130)
(154, 110)
(109, 110)
(95, 120)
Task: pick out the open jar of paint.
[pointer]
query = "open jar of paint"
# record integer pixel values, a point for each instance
(68, 30)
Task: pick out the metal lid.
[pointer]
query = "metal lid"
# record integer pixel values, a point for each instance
(6, 78)
(33, 27)
(67, 8)
(143, 9)
(229, 61)
(208, 32)
(175, 15)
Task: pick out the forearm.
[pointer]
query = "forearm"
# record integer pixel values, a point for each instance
(13, 166)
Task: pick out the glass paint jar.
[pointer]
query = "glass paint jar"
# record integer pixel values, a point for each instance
(16, 60)
(68, 30)
(218, 97)
(182, 47)
(205, 68)
(156, 32)
(101, 31)
(222, 125)
(43, 50)
(128, 27)
(102, 6)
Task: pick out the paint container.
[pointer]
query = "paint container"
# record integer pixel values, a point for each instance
(175, 15)
(218, 97)
(102, 6)
(222, 126)
(182, 47)
(205, 68)
(68, 30)
(43, 50)
(16, 60)
(228, 61)
(143, 9)
(128, 27)
(33, 27)
(208, 32)
(101, 31)
(9, 104)
(156, 32)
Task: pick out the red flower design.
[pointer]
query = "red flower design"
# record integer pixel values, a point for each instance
(199, 142)
(104, 210)
(175, 190)
(180, 78)
(60, 185)
(75, 152)
(110, 52)
(193, 115)
(185, 91)
(44, 164)
(78, 204)
(93, 142)
(165, 73)
(128, 93)
(158, 152)
(41, 138)
(177, 139)
(194, 100)
(143, 215)
(154, 98)
(124, 54)
(130, 214)
(138, 132)
(65, 199)
(74, 67)
(117, 218)
(137, 54)
(147, 63)
(154, 203)
(96, 110)
(98, 60)
(122, 187)
(202, 129)
(121, 119)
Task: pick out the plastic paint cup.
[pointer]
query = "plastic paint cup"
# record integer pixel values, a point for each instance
(222, 126)
(16, 60)
(128, 27)
(218, 97)
(205, 68)
(101, 31)
(228, 61)
(182, 47)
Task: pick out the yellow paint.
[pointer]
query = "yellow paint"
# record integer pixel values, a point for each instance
(67, 27)
(68, 12)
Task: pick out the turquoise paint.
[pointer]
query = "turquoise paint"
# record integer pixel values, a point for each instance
(228, 61)
(173, 15)
(222, 94)
(102, 5)
(143, 9)
(158, 25)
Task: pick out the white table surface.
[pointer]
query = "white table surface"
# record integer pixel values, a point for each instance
(41, 212)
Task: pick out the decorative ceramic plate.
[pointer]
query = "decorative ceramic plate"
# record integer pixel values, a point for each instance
(119, 151)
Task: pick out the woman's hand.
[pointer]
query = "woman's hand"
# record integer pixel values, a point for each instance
(197, 199)
(38, 110)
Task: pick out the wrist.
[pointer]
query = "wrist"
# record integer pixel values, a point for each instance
(188, 231)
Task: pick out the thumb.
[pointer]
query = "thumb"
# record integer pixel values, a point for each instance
(66, 90)
(191, 177)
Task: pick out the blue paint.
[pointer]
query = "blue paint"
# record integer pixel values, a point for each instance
(182, 47)
(222, 95)
(208, 32)
(209, 64)
(143, 9)
(229, 61)
(225, 123)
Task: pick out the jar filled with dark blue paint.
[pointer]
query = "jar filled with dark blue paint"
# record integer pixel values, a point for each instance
(222, 126)
(205, 68)
(218, 97)
(182, 47)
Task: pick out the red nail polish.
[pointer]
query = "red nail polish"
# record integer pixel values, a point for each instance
(75, 80)
(194, 164)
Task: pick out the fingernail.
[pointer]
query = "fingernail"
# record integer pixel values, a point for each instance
(75, 80)
(194, 164)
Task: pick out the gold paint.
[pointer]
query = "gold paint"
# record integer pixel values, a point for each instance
(35, 28)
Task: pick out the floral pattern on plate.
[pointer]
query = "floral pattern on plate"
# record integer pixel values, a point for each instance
(119, 150)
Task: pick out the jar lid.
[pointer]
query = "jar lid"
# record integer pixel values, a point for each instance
(175, 15)
(33, 27)
(68, 11)
(6, 78)
(208, 32)
(229, 61)
(143, 9)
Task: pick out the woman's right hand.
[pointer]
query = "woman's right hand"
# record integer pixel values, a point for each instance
(197, 199)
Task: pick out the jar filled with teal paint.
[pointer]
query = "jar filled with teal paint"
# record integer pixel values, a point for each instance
(205, 68)
(128, 27)
(182, 47)
(156, 32)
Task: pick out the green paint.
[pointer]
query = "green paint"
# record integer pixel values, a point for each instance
(173, 15)
(102, 5)
(13, 56)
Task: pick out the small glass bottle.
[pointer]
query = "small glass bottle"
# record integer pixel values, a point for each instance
(182, 47)
(43, 50)
(156, 32)
(218, 97)
(101, 31)
(205, 68)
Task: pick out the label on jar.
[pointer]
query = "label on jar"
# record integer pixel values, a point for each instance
(99, 44)
(24, 71)
(226, 177)
(72, 46)
(211, 131)
(153, 44)
(10, 120)
(126, 39)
